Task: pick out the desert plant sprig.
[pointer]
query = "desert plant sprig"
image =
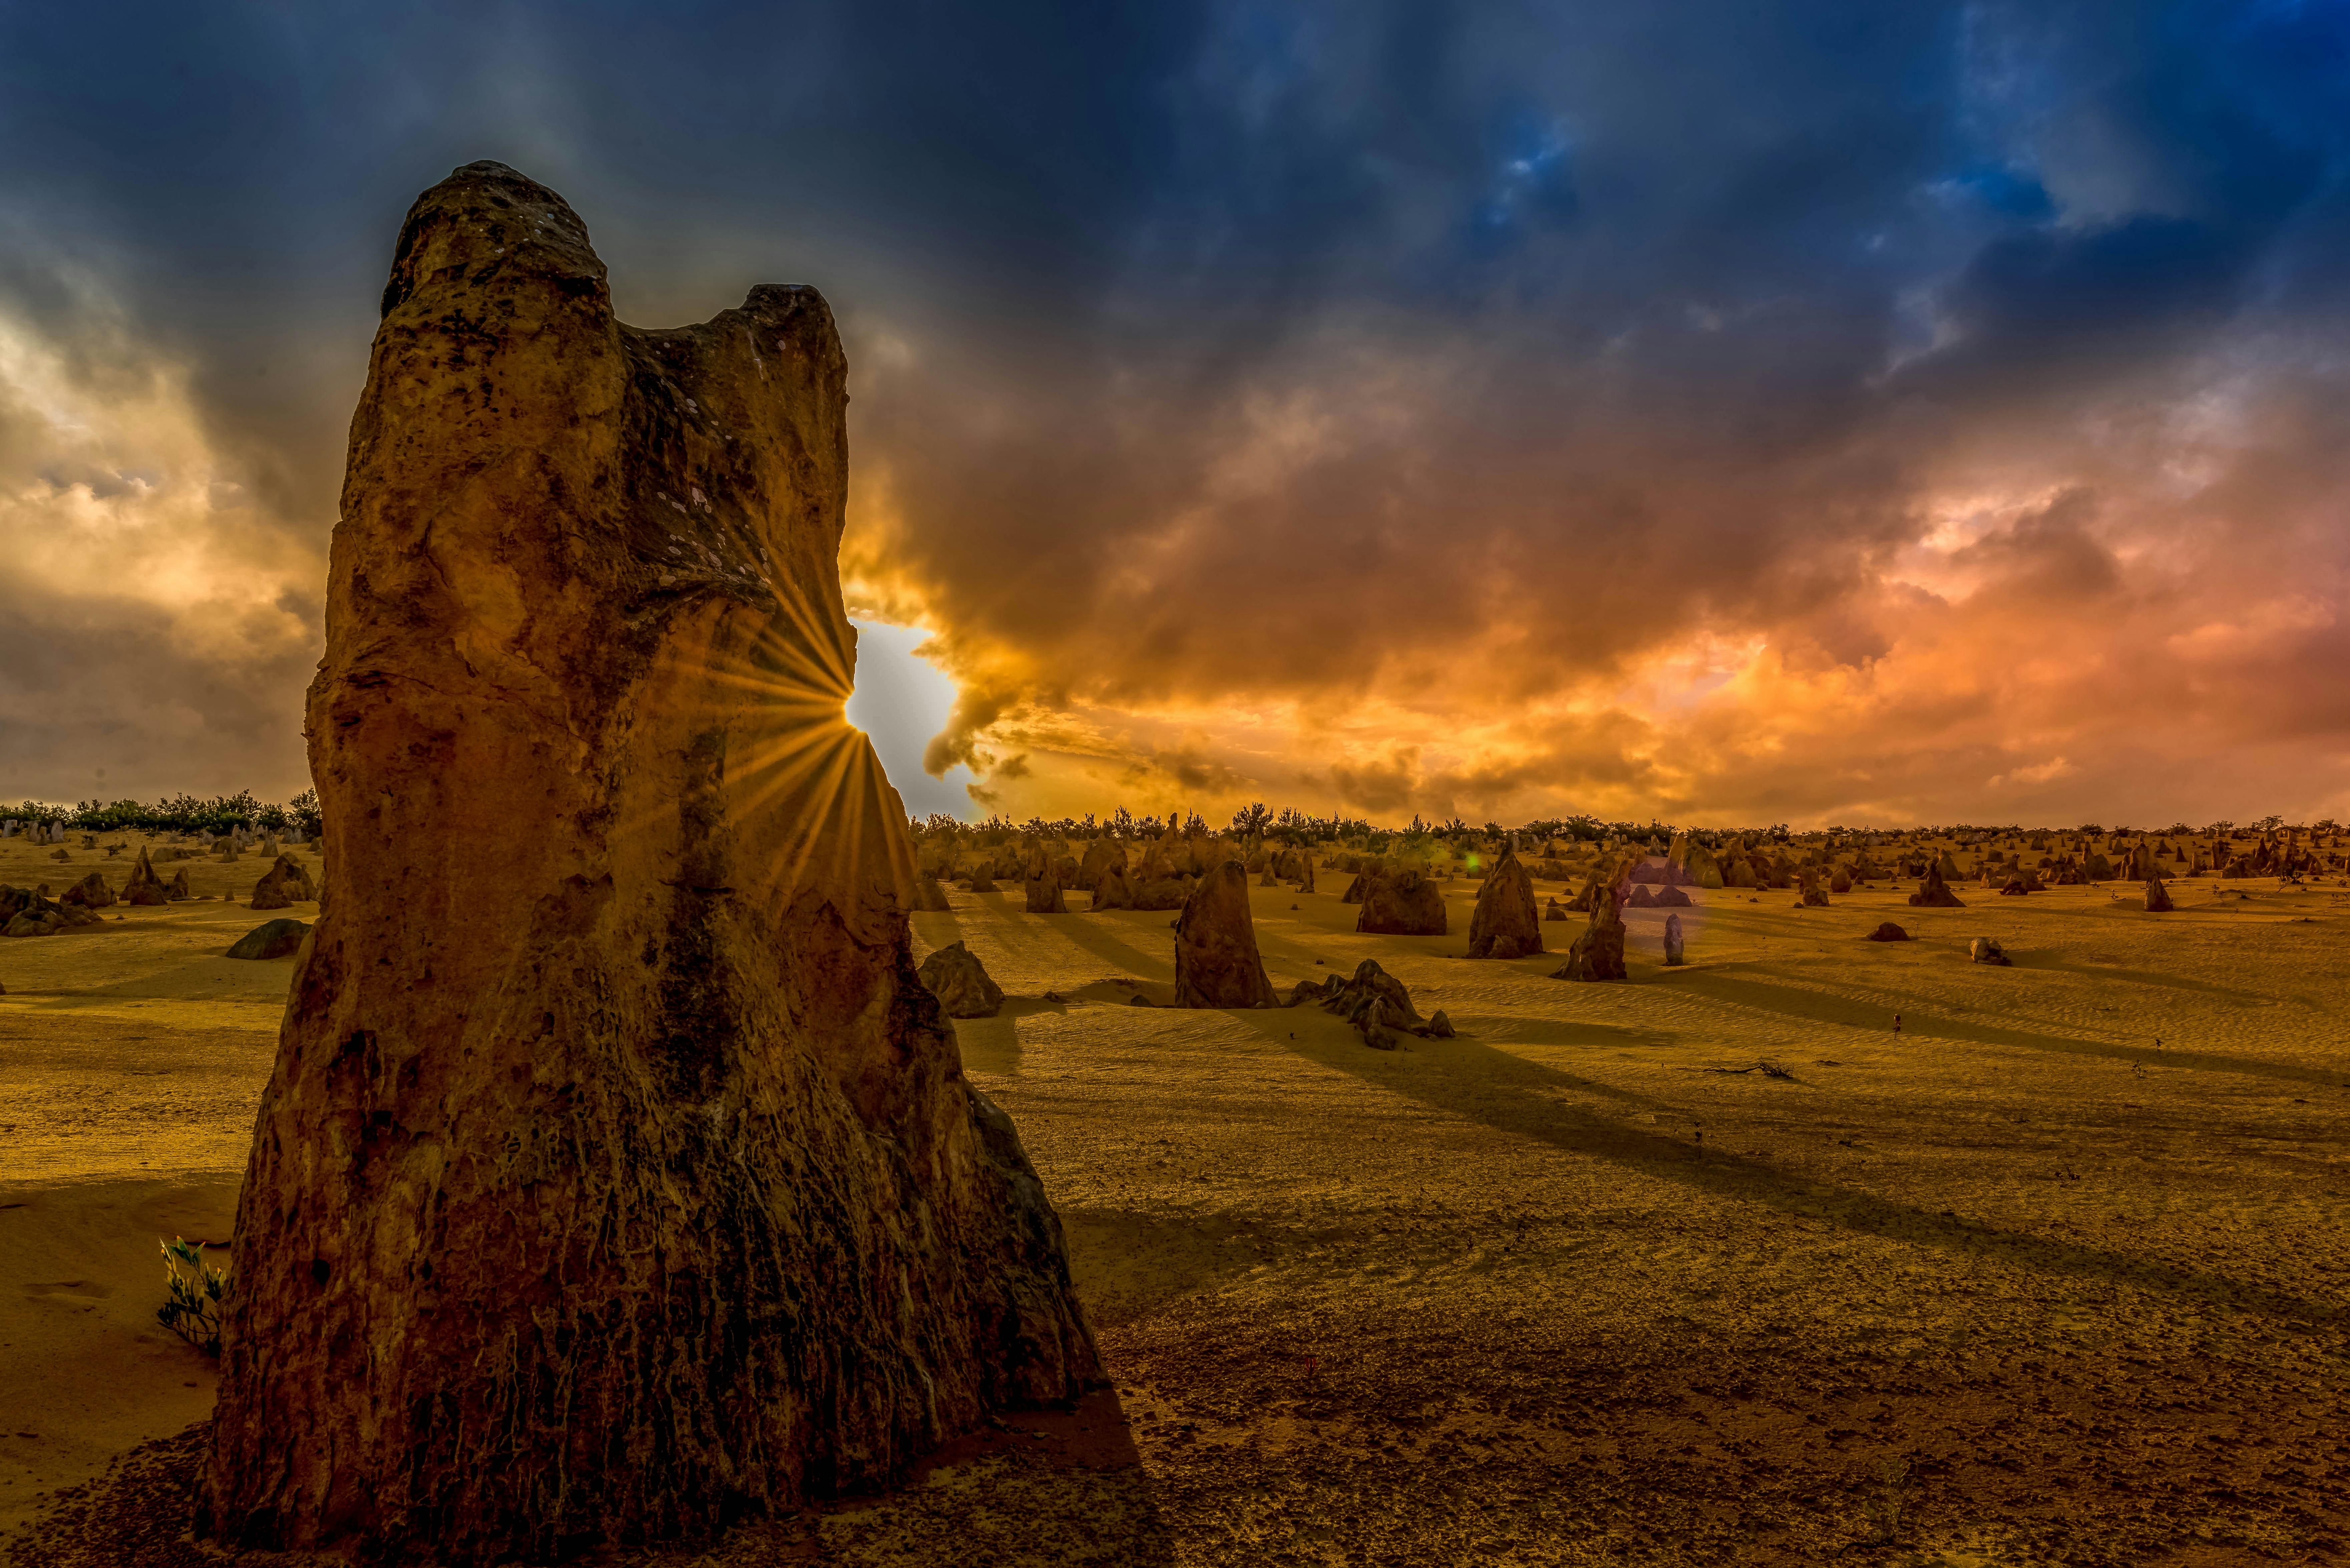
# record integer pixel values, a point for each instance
(194, 1288)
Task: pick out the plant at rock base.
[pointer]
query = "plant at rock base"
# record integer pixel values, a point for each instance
(194, 1289)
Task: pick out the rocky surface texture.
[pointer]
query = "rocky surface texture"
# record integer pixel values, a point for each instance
(270, 939)
(1405, 905)
(954, 975)
(625, 1182)
(145, 888)
(1934, 892)
(1506, 924)
(1598, 952)
(1216, 961)
(283, 885)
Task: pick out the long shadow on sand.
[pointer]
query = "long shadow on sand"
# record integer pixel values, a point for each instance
(1821, 1007)
(1514, 1096)
(1094, 936)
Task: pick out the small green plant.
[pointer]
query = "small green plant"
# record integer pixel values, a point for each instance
(194, 1288)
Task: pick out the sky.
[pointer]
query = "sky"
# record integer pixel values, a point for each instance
(1725, 412)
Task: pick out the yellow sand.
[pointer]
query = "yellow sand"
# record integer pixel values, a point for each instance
(1555, 1291)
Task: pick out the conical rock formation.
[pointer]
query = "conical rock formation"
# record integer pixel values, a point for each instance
(1507, 923)
(1216, 961)
(145, 888)
(1934, 893)
(621, 1179)
(1598, 952)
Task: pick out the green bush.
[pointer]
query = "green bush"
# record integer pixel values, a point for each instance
(194, 1288)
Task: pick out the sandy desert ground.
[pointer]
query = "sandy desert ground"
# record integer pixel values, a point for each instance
(2055, 1276)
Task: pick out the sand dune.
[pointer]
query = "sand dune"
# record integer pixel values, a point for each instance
(1580, 1286)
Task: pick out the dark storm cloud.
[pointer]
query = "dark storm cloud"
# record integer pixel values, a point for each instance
(1448, 354)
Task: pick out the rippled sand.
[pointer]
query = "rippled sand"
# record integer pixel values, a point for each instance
(2017, 1285)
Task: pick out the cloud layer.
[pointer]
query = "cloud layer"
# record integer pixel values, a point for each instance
(1791, 412)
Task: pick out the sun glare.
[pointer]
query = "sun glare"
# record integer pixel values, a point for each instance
(902, 700)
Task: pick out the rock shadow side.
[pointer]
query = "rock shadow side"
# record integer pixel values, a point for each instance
(620, 1179)
(1216, 961)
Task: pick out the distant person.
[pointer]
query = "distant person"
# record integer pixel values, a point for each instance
(1897, 1024)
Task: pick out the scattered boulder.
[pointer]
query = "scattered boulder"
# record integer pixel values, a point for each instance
(1408, 905)
(1505, 923)
(1934, 893)
(1673, 949)
(1216, 961)
(2157, 897)
(1163, 893)
(1984, 949)
(1671, 899)
(1889, 932)
(29, 912)
(269, 939)
(1374, 1002)
(90, 893)
(181, 889)
(282, 885)
(981, 882)
(1553, 909)
(954, 975)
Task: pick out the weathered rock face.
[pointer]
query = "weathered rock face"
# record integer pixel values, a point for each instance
(145, 888)
(1507, 923)
(1934, 893)
(269, 939)
(1040, 879)
(1216, 961)
(90, 893)
(954, 975)
(1408, 905)
(281, 884)
(1598, 952)
(1375, 1002)
(1112, 891)
(1102, 857)
(1985, 950)
(671, 1202)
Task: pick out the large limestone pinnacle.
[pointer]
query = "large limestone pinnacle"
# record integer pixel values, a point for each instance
(616, 1177)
